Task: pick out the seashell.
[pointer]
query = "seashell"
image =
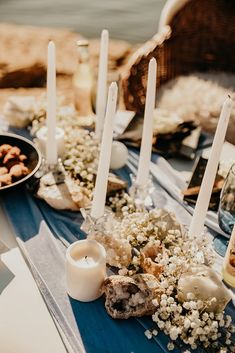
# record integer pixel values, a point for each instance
(131, 296)
(147, 259)
(205, 284)
(115, 184)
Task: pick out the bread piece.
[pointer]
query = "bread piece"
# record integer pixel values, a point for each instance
(4, 149)
(131, 296)
(18, 171)
(5, 179)
(13, 153)
(3, 170)
(22, 157)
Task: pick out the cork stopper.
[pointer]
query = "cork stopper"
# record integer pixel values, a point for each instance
(82, 43)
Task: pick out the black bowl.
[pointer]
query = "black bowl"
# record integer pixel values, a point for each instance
(33, 161)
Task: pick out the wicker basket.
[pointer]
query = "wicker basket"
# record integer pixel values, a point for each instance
(200, 37)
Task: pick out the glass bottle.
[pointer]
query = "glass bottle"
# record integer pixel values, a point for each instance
(83, 81)
(228, 270)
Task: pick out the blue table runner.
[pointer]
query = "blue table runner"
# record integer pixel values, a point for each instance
(45, 255)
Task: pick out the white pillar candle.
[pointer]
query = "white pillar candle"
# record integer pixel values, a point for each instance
(102, 83)
(85, 269)
(51, 147)
(41, 137)
(199, 215)
(147, 135)
(98, 203)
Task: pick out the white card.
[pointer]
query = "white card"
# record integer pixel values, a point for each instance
(122, 120)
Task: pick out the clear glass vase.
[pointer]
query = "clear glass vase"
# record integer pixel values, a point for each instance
(226, 213)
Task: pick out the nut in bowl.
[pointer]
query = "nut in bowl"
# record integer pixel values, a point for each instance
(19, 160)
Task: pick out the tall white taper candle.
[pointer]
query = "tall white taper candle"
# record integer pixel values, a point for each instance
(98, 203)
(147, 135)
(102, 83)
(199, 215)
(51, 145)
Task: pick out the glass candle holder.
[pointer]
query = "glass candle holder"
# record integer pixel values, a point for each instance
(226, 213)
(41, 140)
(92, 225)
(142, 195)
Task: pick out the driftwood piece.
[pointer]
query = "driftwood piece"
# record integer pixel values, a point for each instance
(23, 54)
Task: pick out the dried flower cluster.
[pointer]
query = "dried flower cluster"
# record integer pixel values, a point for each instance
(81, 157)
(159, 245)
(81, 147)
(153, 242)
(199, 96)
(121, 203)
(81, 153)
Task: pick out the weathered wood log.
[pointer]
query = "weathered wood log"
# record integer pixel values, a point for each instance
(23, 54)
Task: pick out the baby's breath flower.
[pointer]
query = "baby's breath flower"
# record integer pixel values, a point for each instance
(161, 324)
(155, 332)
(223, 350)
(232, 328)
(221, 323)
(123, 271)
(205, 316)
(148, 334)
(170, 346)
(190, 296)
(228, 320)
(187, 323)
(155, 302)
